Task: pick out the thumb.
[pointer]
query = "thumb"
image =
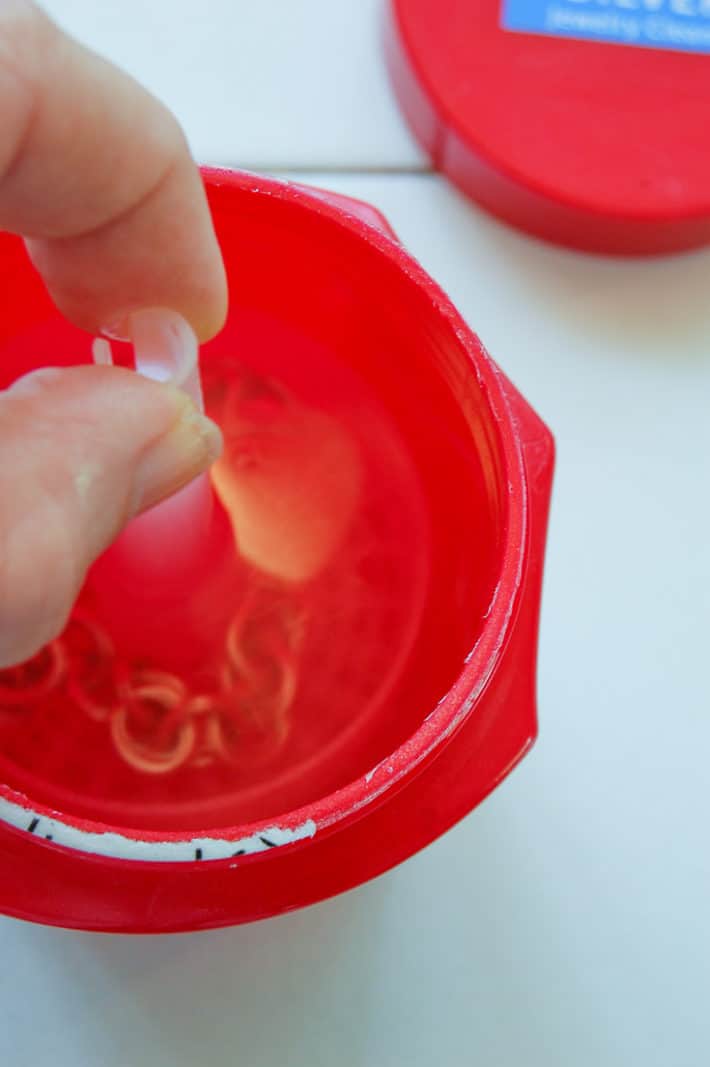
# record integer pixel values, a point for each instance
(84, 450)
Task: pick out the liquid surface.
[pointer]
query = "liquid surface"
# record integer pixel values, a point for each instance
(246, 678)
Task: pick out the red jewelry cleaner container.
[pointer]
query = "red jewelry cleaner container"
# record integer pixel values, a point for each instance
(406, 677)
(578, 121)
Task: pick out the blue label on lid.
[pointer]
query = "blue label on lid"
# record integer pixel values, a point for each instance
(675, 25)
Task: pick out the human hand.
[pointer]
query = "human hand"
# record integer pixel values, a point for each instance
(97, 176)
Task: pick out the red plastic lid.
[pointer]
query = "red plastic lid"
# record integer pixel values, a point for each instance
(592, 144)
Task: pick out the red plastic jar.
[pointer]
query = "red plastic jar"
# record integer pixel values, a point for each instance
(461, 711)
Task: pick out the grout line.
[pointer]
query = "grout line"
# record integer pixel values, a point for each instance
(346, 169)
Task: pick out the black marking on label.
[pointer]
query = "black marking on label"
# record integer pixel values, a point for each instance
(198, 853)
(269, 844)
(33, 825)
(49, 837)
(240, 852)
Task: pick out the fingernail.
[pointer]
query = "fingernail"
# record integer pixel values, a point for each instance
(166, 350)
(165, 345)
(185, 451)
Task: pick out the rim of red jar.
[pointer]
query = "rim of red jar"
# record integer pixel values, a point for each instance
(438, 726)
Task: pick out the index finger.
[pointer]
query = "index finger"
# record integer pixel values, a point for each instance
(96, 174)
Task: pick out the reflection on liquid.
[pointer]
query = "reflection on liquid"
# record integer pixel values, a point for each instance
(289, 479)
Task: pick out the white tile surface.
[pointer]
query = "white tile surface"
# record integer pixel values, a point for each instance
(566, 922)
(258, 83)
